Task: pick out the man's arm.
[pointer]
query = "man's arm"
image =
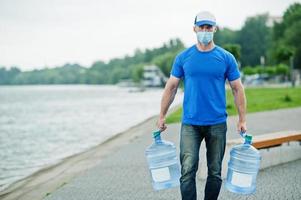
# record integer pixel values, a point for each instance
(240, 102)
(167, 98)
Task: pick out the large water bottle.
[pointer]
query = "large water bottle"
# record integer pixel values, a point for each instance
(243, 167)
(163, 163)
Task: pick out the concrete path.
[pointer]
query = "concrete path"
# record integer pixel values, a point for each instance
(123, 174)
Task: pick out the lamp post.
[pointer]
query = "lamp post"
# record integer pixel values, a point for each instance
(292, 71)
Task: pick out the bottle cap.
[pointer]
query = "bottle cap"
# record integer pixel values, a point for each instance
(248, 138)
(156, 133)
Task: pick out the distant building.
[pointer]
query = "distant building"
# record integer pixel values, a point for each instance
(272, 19)
(153, 77)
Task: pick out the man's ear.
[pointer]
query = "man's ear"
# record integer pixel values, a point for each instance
(194, 29)
(215, 29)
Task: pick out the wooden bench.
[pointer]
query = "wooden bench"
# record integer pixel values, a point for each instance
(270, 140)
(275, 139)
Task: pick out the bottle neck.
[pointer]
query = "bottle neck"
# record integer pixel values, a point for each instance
(247, 137)
(248, 142)
(158, 139)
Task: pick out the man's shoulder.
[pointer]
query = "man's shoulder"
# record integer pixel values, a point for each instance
(223, 51)
(186, 53)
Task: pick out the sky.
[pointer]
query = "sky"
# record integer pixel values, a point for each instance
(48, 33)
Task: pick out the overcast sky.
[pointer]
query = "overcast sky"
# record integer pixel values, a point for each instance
(39, 33)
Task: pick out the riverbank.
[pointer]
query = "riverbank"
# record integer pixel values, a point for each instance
(52, 177)
(37, 185)
(42, 125)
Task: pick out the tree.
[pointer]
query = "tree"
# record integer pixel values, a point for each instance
(164, 62)
(235, 49)
(286, 36)
(128, 67)
(137, 73)
(225, 36)
(255, 39)
(8, 76)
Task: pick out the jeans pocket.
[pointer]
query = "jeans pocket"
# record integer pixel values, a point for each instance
(218, 129)
(187, 129)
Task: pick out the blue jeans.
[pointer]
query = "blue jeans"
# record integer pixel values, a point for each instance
(190, 141)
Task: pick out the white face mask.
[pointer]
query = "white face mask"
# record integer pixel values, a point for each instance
(204, 37)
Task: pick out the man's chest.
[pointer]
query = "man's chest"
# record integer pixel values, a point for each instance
(205, 66)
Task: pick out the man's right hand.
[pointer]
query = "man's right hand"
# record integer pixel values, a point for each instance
(161, 124)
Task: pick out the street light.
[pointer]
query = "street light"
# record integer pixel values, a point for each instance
(292, 71)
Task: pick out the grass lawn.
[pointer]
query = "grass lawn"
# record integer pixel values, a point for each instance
(258, 99)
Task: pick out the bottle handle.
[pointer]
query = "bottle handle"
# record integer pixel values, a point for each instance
(243, 134)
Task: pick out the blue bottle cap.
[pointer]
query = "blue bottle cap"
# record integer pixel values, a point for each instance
(248, 138)
(156, 133)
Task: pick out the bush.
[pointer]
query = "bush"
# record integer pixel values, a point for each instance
(270, 70)
(287, 98)
(249, 70)
(282, 69)
(260, 69)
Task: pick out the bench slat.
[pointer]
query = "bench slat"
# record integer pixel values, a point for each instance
(275, 141)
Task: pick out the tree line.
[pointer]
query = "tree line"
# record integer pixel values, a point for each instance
(259, 42)
(128, 67)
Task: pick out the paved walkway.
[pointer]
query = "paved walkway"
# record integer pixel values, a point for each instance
(123, 174)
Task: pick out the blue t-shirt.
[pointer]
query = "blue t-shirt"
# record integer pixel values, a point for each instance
(204, 75)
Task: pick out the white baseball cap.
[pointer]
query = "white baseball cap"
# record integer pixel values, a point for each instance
(205, 17)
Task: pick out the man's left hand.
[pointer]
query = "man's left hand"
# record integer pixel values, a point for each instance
(241, 126)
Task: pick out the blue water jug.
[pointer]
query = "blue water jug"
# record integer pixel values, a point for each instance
(163, 163)
(243, 167)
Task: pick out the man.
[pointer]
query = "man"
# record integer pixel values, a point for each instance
(204, 68)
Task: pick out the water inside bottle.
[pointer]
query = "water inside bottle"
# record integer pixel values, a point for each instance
(165, 177)
(243, 167)
(163, 164)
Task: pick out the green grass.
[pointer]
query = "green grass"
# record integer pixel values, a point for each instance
(258, 99)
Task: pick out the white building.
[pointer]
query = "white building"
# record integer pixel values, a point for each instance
(272, 19)
(153, 77)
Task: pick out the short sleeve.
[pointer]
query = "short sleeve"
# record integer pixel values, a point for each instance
(232, 72)
(177, 68)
